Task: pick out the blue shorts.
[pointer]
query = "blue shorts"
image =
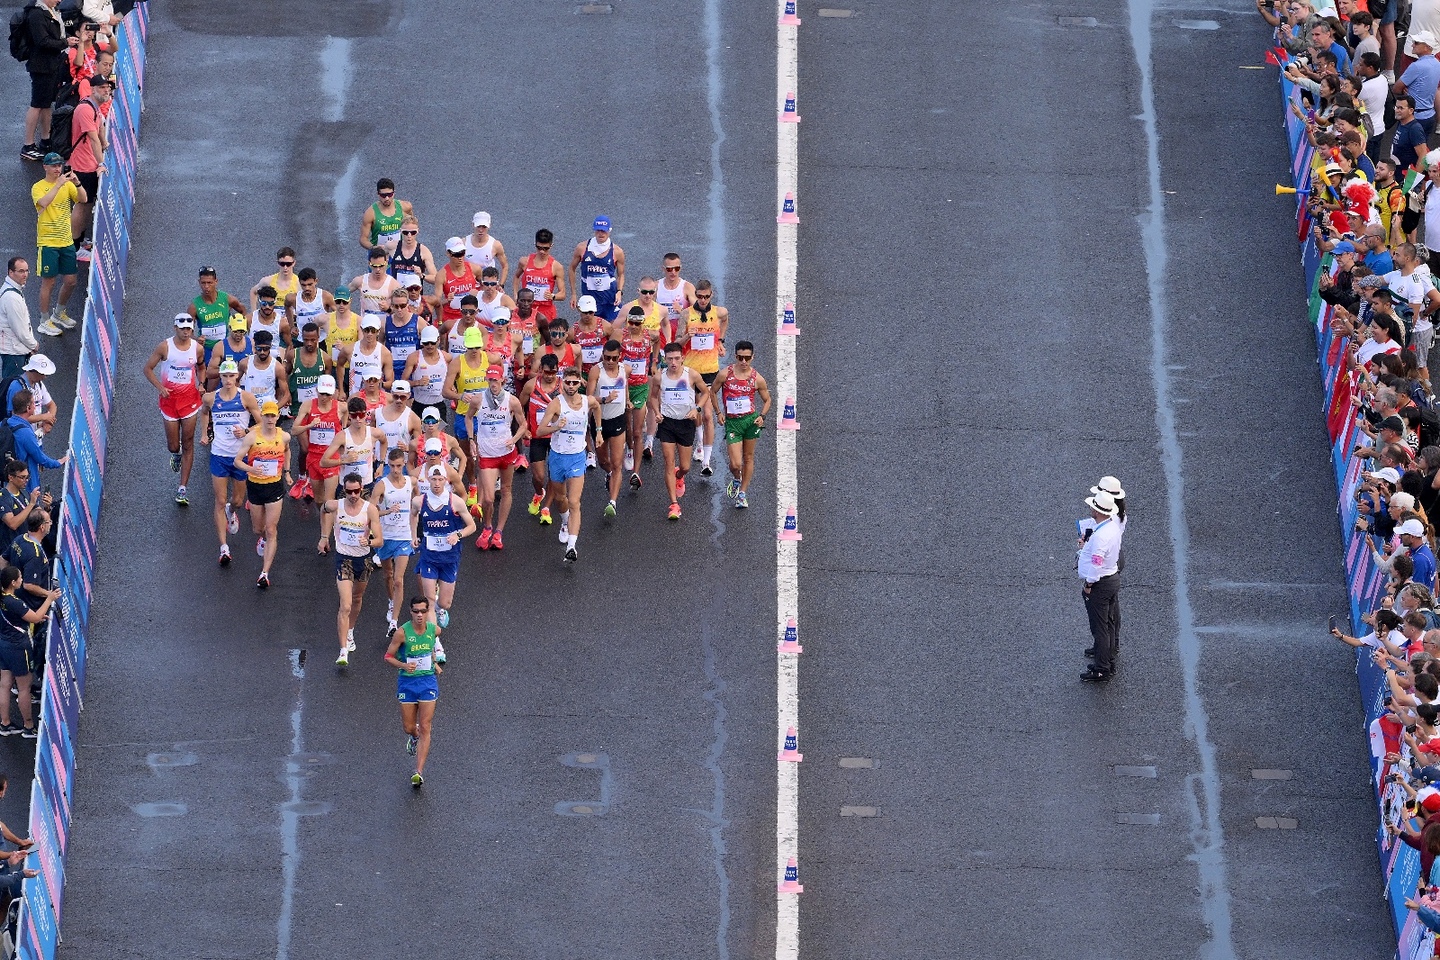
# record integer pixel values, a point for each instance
(391, 549)
(444, 569)
(565, 466)
(462, 427)
(224, 468)
(607, 308)
(421, 689)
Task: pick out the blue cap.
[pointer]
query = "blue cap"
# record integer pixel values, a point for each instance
(1344, 246)
(54, 160)
(342, 292)
(602, 223)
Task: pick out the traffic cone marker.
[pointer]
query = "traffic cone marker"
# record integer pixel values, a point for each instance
(790, 530)
(788, 114)
(791, 883)
(787, 322)
(787, 416)
(787, 210)
(791, 753)
(788, 17)
(790, 643)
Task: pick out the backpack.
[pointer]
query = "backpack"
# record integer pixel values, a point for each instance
(5, 386)
(7, 442)
(20, 47)
(62, 116)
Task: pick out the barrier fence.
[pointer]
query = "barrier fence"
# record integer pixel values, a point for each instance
(64, 688)
(1365, 582)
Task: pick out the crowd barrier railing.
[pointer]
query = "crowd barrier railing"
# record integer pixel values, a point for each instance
(51, 791)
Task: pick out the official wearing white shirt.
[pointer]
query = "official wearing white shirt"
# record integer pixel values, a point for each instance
(1098, 564)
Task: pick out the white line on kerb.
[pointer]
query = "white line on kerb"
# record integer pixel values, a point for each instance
(787, 587)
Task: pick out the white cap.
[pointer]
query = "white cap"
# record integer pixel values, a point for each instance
(455, 245)
(1411, 528)
(500, 313)
(586, 304)
(41, 364)
(372, 321)
(481, 219)
(400, 388)
(435, 471)
(326, 384)
(430, 335)
(430, 413)
(434, 445)
(408, 279)
(1422, 36)
(185, 320)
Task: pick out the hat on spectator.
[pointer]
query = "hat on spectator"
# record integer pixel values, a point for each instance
(455, 245)
(430, 415)
(326, 384)
(1111, 486)
(1418, 37)
(185, 320)
(1102, 502)
(1372, 282)
(53, 159)
(342, 292)
(1388, 474)
(371, 321)
(229, 366)
(1393, 423)
(41, 364)
(1431, 802)
(430, 335)
(585, 304)
(434, 445)
(481, 219)
(1345, 246)
(1411, 528)
(401, 388)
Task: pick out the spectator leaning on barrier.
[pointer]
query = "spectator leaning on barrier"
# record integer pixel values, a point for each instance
(27, 444)
(17, 339)
(43, 409)
(47, 67)
(18, 505)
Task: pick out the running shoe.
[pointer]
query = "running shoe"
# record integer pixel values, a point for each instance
(610, 509)
(522, 463)
(417, 781)
(635, 482)
(440, 647)
(29, 733)
(263, 581)
(674, 513)
(8, 729)
(297, 489)
(49, 328)
(390, 627)
(706, 470)
(83, 251)
(629, 459)
(259, 546)
(564, 531)
(482, 542)
(175, 462)
(472, 500)
(649, 452)
(62, 317)
(698, 455)
(741, 501)
(309, 491)
(224, 555)
(545, 516)
(496, 543)
(732, 488)
(344, 659)
(442, 617)
(31, 152)
(411, 742)
(181, 496)
(590, 461)
(232, 520)
(350, 640)
(571, 554)
(390, 613)
(680, 486)
(534, 507)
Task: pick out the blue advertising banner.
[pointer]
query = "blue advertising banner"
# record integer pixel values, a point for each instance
(77, 547)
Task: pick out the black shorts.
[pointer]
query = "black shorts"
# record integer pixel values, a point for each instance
(43, 87)
(441, 408)
(15, 658)
(259, 494)
(90, 183)
(679, 432)
(709, 378)
(356, 569)
(539, 449)
(613, 427)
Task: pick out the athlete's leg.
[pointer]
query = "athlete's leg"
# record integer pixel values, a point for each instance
(667, 451)
(507, 497)
(342, 617)
(615, 462)
(187, 448)
(407, 717)
(573, 488)
(736, 454)
(446, 595)
(172, 435)
(357, 598)
(272, 531)
(748, 455)
(424, 720)
(427, 590)
(486, 484)
(221, 486)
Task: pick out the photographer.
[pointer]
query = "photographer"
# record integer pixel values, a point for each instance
(55, 199)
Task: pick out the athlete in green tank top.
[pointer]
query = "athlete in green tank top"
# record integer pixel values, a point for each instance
(417, 645)
(303, 378)
(212, 319)
(386, 225)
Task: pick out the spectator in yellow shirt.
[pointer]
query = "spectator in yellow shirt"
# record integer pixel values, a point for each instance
(55, 197)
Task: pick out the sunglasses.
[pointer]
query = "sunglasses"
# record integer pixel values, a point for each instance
(611, 356)
(285, 263)
(574, 383)
(353, 492)
(746, 358)
(557, 333)
(542, 246)
(267, 303)
(469, 311)
(635, 323)
(410, 233)
(647, 293)
(386, 194)
(454, 254)
(672, 269)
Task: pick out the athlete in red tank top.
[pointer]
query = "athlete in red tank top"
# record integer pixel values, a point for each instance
(457, 279)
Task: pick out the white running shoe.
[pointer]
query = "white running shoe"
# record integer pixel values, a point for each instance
(442, 617)
(350, 640)
(260, 546)
(698, 455)
(629, 459)
(49, 328)
(344, 659)
(440, 648)
(63, 318)
(390, 613)
(589, 461)
(232, 520)
(565, 531)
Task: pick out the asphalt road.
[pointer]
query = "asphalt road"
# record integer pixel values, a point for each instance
(977, 350)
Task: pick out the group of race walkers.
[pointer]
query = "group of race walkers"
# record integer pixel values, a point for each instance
(405, 414)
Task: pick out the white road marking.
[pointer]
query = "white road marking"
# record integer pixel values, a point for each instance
(787, 587)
